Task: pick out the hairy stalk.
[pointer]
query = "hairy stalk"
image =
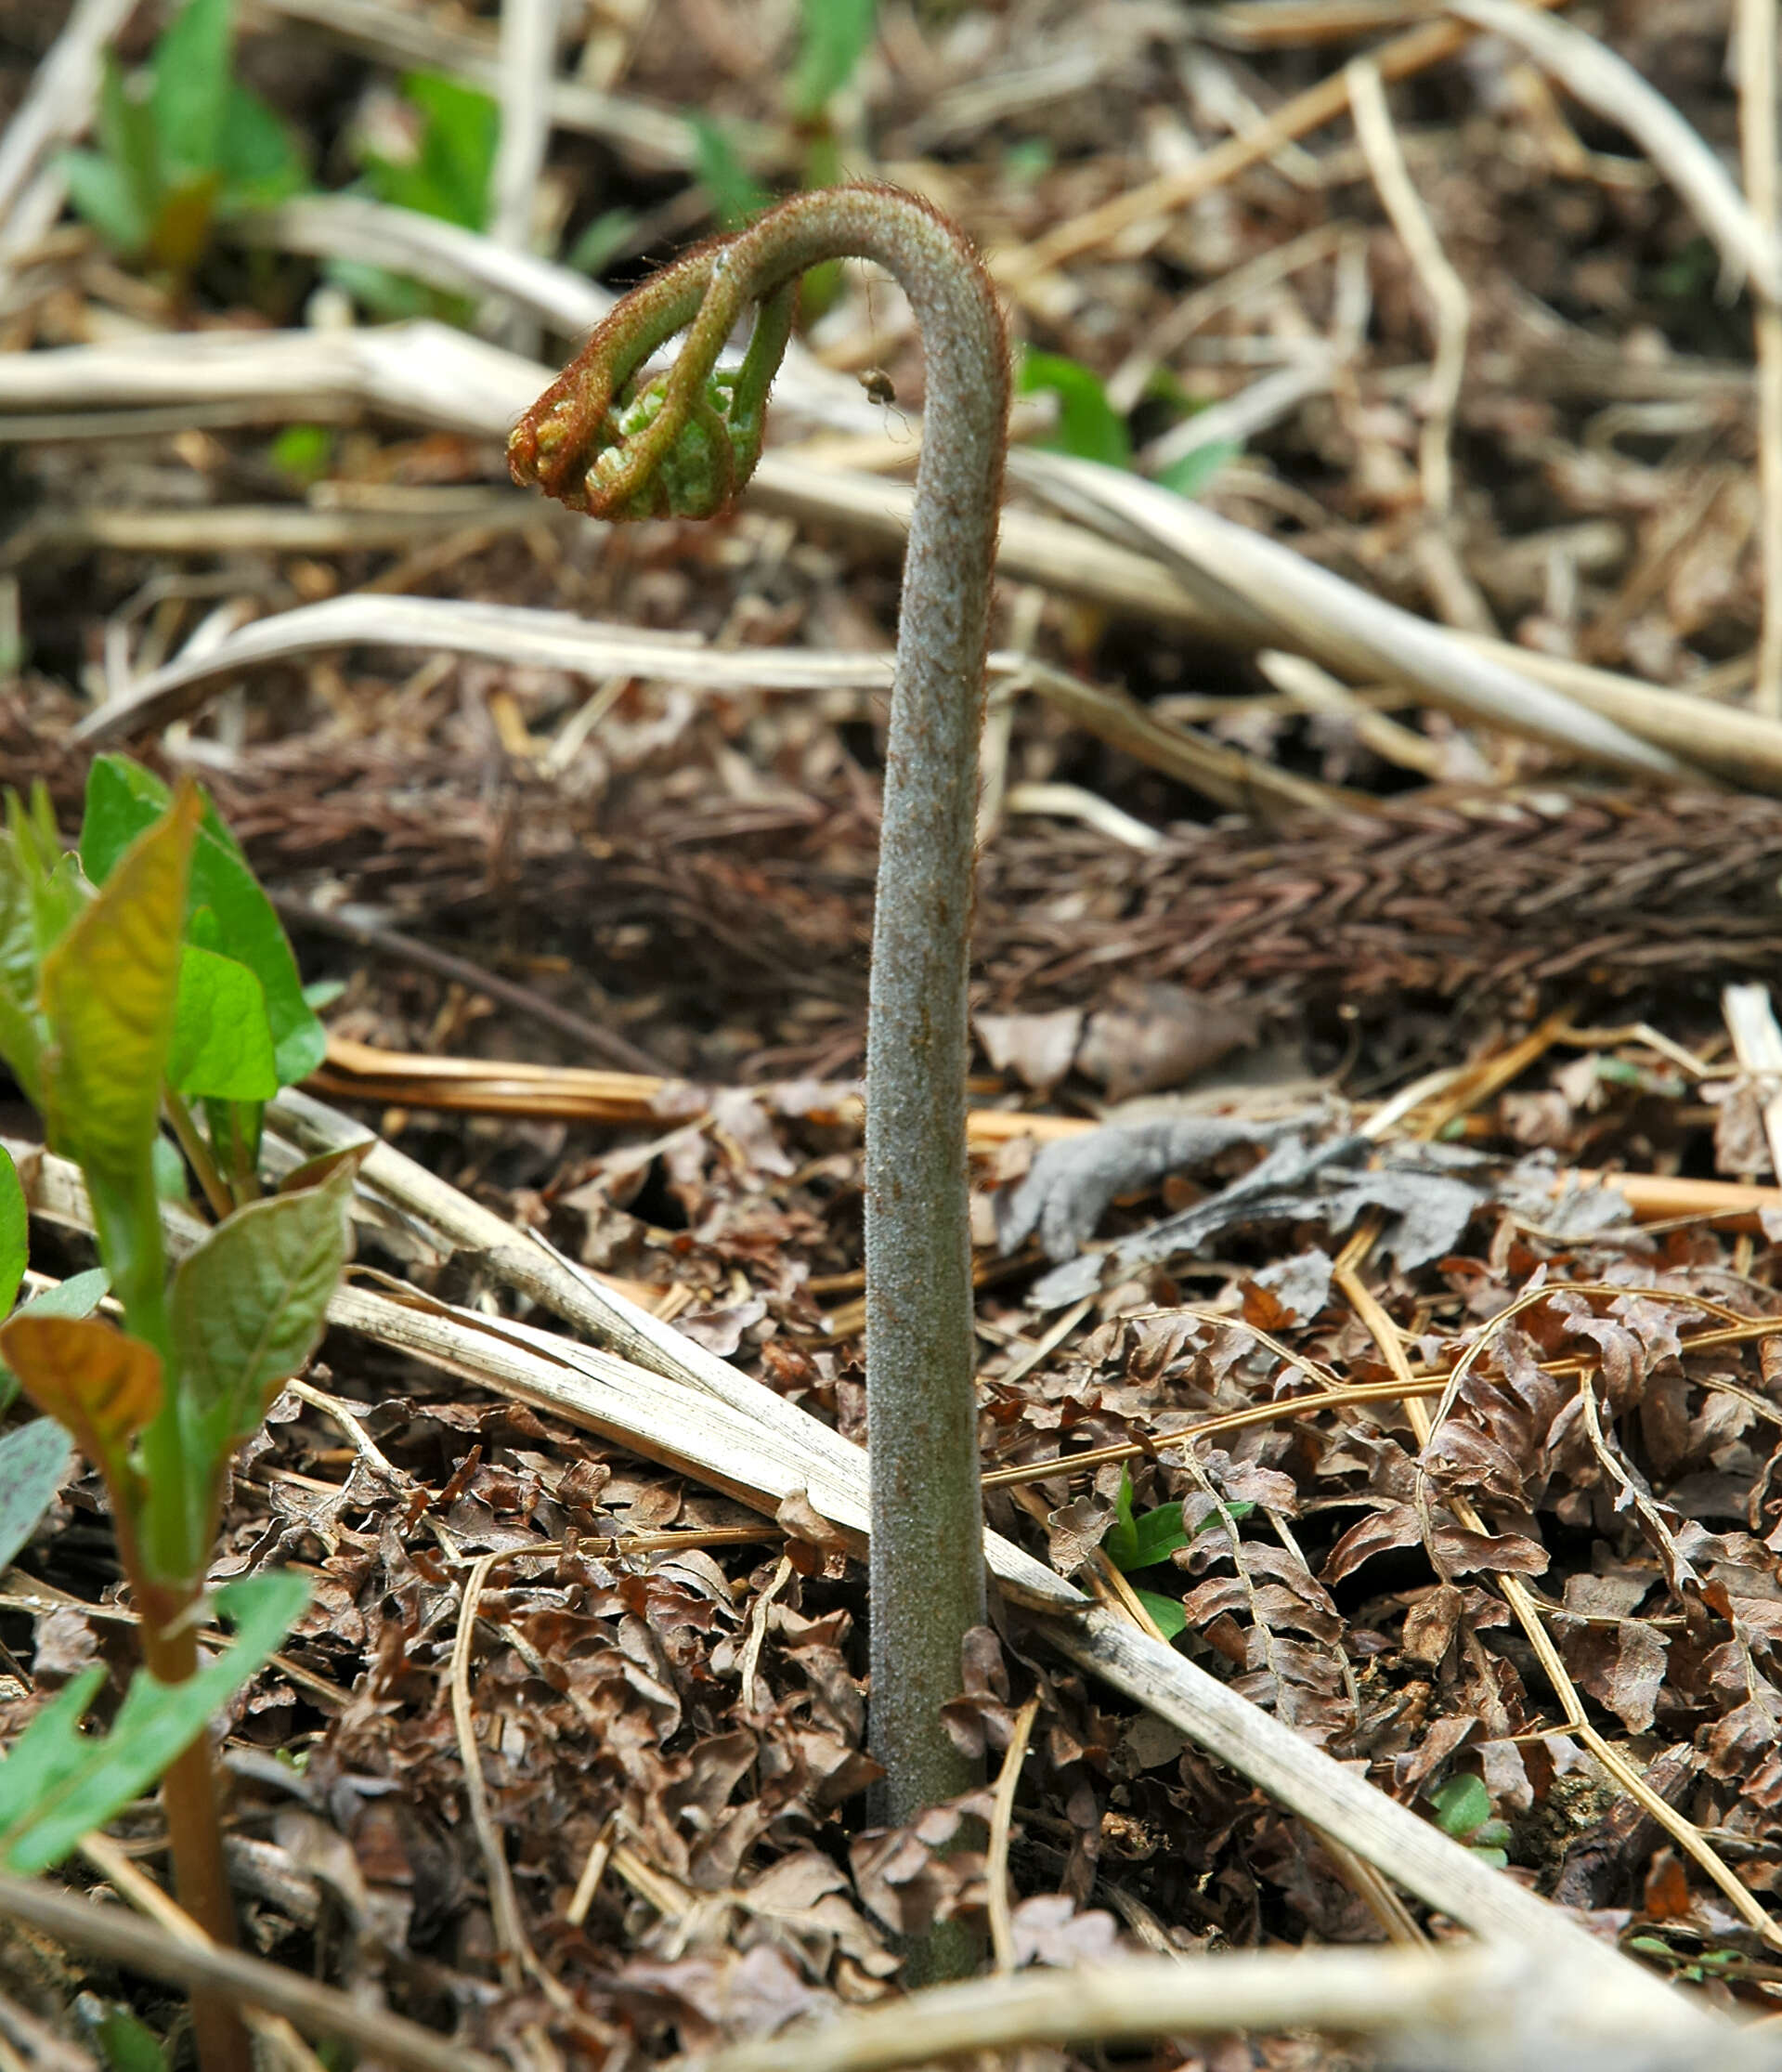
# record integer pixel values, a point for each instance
(683, 443)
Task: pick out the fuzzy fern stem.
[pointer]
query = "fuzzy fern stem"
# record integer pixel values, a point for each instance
(683, 443)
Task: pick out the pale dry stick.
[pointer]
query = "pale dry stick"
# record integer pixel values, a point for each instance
(135, 1886)
(1128, 381)
(528, 51)
(1528, 1614)
(1750, 1022)
(1171, 192)
(56, 110)
(513, 1947)
(592, 1872)
(1002, 1820)
(1281, 600)
(1755, 33)
(1504, 2012)
(443, 254)
(114, 1933)
(1443, 286)
(364, 1445)
(591, 648)
(1239, 418)
(1312, 689)
(1071, 801)
(1606, 84)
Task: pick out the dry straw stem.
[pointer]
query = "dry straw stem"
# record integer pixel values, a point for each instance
(56, 110)
(1756, 37)
(430, 374)
(516, 633)
(1286, 600)
(528, 57)
(111, 1933)
(441, 254)
(1441, 283)
(1486, 2008)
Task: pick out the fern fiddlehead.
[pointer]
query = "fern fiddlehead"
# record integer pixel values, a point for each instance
(683, 443)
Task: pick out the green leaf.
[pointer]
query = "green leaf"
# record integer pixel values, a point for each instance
(15, 1230)
(127, 2044)
(34, 1462)
(58, 1784)
(1461, 1804)
(305, 452)
(604, 239)
(191, 70)
(835, 38)
(222, 1046)
(110, 988)
(738, 197)
(123, 799)
(127, 137)
(1191, 475)
(1152, 1537)
(55, 894)
(258, 158)
(103, 194)
(1088, 426)
(1166, 1613)
(249, 1304)
(79, 1296)
(449, 174)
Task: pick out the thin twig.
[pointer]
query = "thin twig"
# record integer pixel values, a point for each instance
(1441, 283)
(1518, 2010)
(1002, 1817)
(111, 1932)
(1756, 35)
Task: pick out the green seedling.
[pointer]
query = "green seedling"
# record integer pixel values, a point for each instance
(1146, 1540)
(445, 173)
(833, 37)
(1463, 1809)
(182, 143)
(145, 983)
(1089, 428)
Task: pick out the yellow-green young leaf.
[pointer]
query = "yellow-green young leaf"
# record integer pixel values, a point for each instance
(110, 988)
(109, 992)
(88, 1376)
(248, 1306)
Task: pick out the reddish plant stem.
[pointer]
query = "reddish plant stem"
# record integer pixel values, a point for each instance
(194, 1832)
